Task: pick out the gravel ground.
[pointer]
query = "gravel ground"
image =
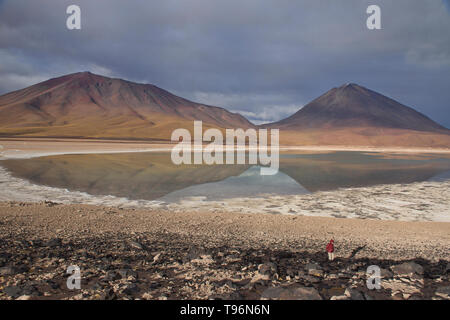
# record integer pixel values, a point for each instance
(158, 254)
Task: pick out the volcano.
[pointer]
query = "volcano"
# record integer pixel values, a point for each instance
(354, 115)
(86, 105)
(352, 105)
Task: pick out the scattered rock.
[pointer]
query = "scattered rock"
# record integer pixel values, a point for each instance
(290, 273)
(312, 266)
(314, 269)
(386, 274)
(135, 245)
(344, 297)
(399, 287)
(56, 242)
(149, 265)
(407, 268)
(443, 292)
(368, 297)
(147, 296)
(193, 253)
(111, 276)
(316, 273)
(53, 284)
(294, 292)
(125, 273)
(50, 203)
(156, 258)
(154, 285)
(267, 269)
(13, 291)
(8, 271)
(203, 259)
(353, 294)
(131, 289)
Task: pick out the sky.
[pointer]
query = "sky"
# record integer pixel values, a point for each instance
(263, 58)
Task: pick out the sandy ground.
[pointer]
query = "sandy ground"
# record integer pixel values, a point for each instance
(390, 239)
(153, 254)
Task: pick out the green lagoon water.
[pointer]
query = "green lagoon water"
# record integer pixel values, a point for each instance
(152, 176)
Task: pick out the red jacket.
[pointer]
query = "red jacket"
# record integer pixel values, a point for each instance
(330, 246)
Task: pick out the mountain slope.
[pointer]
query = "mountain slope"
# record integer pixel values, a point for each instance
(355, 106)
(355, 116)
(89, 105)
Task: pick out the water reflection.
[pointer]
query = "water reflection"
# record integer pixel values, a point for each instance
(151, 176)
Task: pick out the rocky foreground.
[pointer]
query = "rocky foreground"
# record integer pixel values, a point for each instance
(142, 254)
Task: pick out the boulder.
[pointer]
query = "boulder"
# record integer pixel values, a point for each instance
(384, 273)
(312, 266)
(125, 273)
(135, 245)
(315, 272)
(340, 298)
(13, 291)
(353, 294)
(130, 289)
(443, 292)
(314, 269)
(8, 271)
(407, 268)
(401, 287)
(52, 243)
(267, 269)
(294, 292)
(156, 258)
(111, 276)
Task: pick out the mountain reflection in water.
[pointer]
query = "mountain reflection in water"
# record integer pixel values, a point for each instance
(151, 176)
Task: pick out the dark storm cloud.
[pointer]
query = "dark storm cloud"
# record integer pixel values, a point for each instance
(263, 58)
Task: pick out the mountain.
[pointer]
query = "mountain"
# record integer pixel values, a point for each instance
(354, 115)
(354, 106)
(88, 105)
(85, 105)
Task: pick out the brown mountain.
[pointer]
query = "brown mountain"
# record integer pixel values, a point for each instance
(354, 115)
(85, 105)
(354, 106)
(88, 105)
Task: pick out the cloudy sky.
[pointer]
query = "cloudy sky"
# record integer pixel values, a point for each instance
(263, 58)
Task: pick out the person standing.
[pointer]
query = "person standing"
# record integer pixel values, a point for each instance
(330, 250)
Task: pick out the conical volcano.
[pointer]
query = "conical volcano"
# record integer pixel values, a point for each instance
(352, 115)
(354, 106)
